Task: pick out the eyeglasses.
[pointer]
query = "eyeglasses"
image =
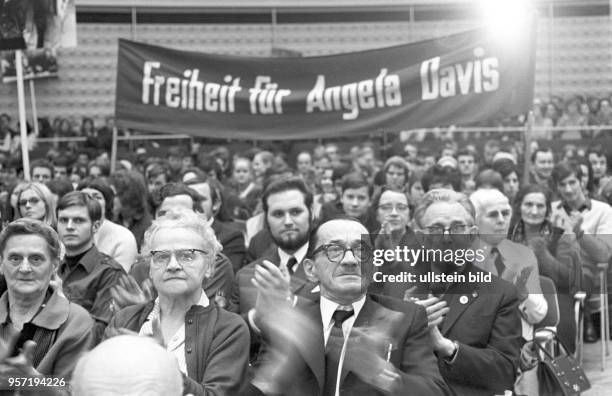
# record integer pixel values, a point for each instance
(335, 252)
(494, 214)
(453, 229)
(185, 257)
(31, 201)
(389, 207)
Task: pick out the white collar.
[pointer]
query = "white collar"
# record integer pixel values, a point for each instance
(328, 307)
(299, 255)
(211, 220)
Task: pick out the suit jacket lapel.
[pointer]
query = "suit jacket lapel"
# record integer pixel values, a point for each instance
(458, 299)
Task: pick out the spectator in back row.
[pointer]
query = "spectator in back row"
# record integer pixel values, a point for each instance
(468, 166)
(396, 173)
(439, 176)
(130, 206)
(87, 274)
(589, 220)
(509, 173)
(212, 205)
(35, 201)
(244, 193)
(111, 238)
(542, 163)
(262, 161)
(41, 171)
(599, 164)
(354, 201)
(157, 175)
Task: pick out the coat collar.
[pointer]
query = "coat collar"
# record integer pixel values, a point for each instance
(51, 317)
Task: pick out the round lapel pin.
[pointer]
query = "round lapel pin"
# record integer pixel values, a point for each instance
(463, 300)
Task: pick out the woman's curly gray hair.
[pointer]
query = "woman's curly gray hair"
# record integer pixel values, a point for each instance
(182, 219)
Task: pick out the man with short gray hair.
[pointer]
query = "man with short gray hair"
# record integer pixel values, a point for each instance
(474, 324)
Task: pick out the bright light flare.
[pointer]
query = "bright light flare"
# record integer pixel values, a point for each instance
(505, 18)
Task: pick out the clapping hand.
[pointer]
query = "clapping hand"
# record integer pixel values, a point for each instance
(570, 224)
(363, 357)
(273, 287)
(577, 223)
(521, 283)
(436, 310)
(7, 343)
(20, 365)
(127, 292)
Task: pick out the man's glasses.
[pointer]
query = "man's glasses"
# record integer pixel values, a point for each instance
(185, 257)
(494, 214)
(440, 230)
(389, 207)
(335, 252)
(31, 201)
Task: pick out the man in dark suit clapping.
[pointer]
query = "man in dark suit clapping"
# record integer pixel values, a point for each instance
(475, 326)
(346, 342)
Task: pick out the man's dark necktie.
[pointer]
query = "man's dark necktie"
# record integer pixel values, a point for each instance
(333, 349)
(499, 261)
(290, 264)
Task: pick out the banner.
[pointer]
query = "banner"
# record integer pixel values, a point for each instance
(459, 79)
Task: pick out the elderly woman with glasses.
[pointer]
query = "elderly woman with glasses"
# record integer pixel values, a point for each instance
(210, 344)
(41, 332)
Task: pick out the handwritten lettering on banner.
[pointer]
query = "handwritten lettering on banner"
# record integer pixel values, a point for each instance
(467, 77)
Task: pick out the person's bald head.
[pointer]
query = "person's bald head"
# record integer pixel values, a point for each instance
(127, 365)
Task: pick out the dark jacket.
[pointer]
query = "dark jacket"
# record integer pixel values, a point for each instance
(244, 295)
(232, 240)
(89, 284)
(216, 347)
(484, 320)
(405, 326)
(69, 328)
(260, 244)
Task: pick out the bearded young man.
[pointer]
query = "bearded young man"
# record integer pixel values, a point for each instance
(287, 205)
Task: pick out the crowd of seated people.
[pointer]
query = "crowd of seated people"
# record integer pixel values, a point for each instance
(254, 272)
